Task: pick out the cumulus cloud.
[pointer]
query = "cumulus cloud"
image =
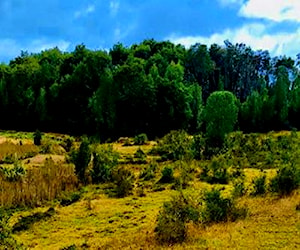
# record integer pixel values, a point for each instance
(278, 11)
(255, 35)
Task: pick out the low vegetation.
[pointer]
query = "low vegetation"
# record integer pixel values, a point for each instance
(170, 193)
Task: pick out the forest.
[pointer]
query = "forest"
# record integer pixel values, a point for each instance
(152, 87)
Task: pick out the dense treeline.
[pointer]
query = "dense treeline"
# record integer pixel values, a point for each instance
(152, 87)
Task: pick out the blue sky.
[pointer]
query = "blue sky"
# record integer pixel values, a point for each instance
(36, 25)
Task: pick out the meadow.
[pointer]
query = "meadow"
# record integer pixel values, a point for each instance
(131, 192)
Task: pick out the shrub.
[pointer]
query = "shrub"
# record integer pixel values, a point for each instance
(140, 139)
(149, 172)
(6, 239)
(216, 171)
(141, 157)
(67, 144)
(105, 159)
(167, 175)
(239, 188)
(81, 159)
(25, 222)
(172, 219)
(286, 180)
(259, 185)
(37, 138)
(68, 200)
(199, 145)
(177, 145)
(13, 174)
(123, 180)
(219, 209)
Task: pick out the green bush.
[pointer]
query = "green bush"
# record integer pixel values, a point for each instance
(149, 172)
(198, 146)
(105, 159)
(286, 180)
(167, 175)
(67, 144)
(177, 145)
(219, 209)
(81, 159)
(6, 239)
(172, 219)
(123, 180)
(239, 188)
(140, 139)
(37, 138)
(216, 171)
(259, 185)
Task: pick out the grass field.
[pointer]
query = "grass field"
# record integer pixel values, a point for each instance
(98, 221)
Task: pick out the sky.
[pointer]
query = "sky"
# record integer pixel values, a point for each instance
(35, 25)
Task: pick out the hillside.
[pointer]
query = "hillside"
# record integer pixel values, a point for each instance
(49, 207)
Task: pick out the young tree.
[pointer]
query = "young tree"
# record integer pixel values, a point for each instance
(220, 116)
(81, 158)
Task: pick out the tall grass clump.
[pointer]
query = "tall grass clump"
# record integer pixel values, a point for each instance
(37, 185)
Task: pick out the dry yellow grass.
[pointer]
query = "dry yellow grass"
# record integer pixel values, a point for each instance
(39, 184)
(106, 223)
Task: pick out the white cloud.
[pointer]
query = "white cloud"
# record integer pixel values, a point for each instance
(278, 11)
(10, 48)
(114, 7)
(80, 13)
(41, 44)
(231, 2)
(254, 35)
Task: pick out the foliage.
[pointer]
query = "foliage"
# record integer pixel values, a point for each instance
(140, 139)
(221, 113)
(176, 145)
(105, 159)
(167, 175)
(6, 239)
(141, 156)
(149, 172)
(172, 219)
(239, 188)
(13, 174)
(259, 185)
(123, 180)
(216, 171)
(70, 199)
(37, 138)
(81, 159)
(219, 209)
(286, 180)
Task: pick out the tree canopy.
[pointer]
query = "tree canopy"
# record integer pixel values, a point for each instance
(152, 87)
